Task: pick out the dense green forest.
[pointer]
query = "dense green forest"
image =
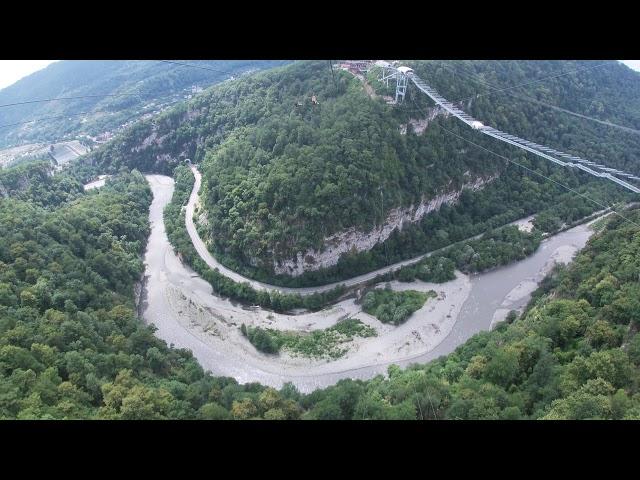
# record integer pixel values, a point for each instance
(35, 182)
(493, 249)
(71, 345)
(434, 268)
(298, 176)
(607, 91)
(512, 197)
(282, 173)
(144, 86)
(302, 173)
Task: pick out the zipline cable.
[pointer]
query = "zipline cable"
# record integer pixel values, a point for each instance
(71, 98)
(543, 176)
(39, 119)
(604, 207)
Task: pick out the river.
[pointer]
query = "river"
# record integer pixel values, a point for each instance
(187, 315)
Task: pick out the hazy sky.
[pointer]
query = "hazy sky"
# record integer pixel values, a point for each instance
(13, 70)
(635, 64)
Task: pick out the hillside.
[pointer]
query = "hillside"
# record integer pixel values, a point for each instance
(607, 91)
(71, 343)
(303, 193)
(156, 85)
(284, 176)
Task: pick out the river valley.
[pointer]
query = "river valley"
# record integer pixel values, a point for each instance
(188, 315)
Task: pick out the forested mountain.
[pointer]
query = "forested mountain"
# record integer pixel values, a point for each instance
(283, 172)
(35, 182)
(71, 344)
(154, 84)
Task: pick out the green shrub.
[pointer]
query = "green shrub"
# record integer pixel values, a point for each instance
(389, 306)
(327, 343)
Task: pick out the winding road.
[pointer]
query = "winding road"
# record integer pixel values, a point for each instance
(188, 315)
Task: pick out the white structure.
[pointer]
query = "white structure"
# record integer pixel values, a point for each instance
(476, 125)
(401, 84)
(400, 74)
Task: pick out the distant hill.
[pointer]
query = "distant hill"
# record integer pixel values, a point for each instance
(157, 84)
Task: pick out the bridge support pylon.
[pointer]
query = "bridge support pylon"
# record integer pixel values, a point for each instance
(399, 74)
(401, 87)
(387, 74)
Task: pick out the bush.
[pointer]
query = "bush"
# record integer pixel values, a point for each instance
(317, 344)
(394, 307)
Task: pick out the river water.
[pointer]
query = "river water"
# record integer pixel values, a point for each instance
(492, 293)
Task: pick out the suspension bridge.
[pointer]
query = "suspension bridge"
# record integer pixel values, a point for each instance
(403, 75)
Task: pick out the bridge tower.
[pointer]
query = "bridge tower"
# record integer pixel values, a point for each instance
(400, 74)
(401, 87)
(387, 73)
(401, 82)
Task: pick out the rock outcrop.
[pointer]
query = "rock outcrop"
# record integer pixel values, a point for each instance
(359, 241)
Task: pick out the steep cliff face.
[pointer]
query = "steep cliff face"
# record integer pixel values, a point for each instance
(20, 178)
(359, 241)
(420, 125)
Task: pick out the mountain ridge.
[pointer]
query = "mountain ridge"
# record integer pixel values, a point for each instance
(150, 81)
